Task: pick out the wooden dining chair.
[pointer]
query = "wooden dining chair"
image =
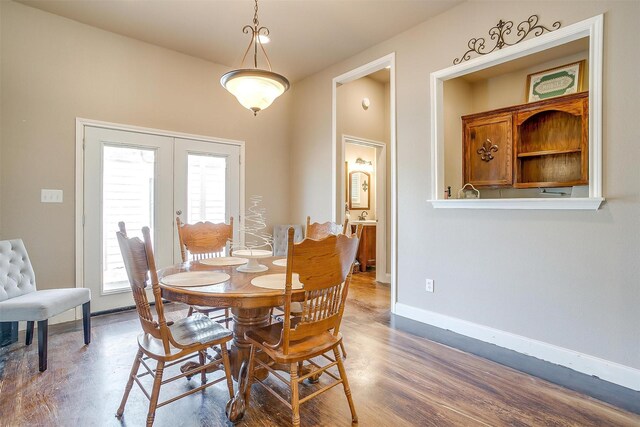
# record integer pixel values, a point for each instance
(324, 268)
(168, 343)
(319, 231)
(200, 241)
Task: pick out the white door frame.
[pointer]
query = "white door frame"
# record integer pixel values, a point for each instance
(362, 71)
(79, 184)
(381, 199)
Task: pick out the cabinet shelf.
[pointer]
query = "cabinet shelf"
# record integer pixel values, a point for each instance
(548, 152)
(538, 144)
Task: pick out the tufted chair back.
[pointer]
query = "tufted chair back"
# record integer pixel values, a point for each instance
(16, 274)
(281, 238)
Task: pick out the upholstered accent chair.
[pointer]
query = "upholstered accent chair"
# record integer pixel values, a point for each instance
(20, 301)
(280, 237)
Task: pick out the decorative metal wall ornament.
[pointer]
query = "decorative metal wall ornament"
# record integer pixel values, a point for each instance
(365, 186)
(486, 149)
(503, 28)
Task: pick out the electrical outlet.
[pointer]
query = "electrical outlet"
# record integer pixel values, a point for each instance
(429, 287)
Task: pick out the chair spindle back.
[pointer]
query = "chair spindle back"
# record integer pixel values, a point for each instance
(141, 269)
(324, 267)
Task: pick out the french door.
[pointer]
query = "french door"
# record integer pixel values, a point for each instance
(144, 179)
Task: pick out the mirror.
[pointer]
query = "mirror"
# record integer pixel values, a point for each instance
(514, 165)
(359, 194)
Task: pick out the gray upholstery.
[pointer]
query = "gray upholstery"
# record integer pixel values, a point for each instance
(19, 299)
(42, 305)
(16, 274)
(280, 237)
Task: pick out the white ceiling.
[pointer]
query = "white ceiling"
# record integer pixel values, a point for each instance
(306, 35)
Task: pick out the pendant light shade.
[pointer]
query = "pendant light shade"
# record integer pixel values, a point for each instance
(255, 88)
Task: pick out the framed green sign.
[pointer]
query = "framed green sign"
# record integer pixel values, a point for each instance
(554, 82)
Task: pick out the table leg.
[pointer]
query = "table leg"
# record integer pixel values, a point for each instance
(243, 320)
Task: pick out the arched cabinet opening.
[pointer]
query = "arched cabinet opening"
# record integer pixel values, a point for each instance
(551, 144)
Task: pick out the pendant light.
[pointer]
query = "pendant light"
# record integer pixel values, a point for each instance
(255, 88)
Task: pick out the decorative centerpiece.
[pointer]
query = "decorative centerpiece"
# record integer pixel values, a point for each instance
(257, 244)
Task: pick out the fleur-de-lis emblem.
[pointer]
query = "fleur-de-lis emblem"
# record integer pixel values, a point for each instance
(485, 151)
(365, 186)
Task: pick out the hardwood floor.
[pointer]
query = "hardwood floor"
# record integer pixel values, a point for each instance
(397, 379)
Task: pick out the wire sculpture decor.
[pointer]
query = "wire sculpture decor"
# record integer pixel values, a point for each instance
(502, 29)
(255, 222)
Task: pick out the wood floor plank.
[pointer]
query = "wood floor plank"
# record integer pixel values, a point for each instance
(397, 379)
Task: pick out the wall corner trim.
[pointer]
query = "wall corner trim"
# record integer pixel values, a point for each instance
(590, 365)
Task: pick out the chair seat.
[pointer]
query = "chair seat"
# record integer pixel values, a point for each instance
(298, 350)
(193, 331)
(42, 305)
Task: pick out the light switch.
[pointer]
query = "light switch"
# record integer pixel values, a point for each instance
(50, 196)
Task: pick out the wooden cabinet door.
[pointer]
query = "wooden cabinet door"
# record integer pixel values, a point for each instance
(488, 145)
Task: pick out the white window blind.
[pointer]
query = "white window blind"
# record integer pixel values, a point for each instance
(206, 188)
(128, 183)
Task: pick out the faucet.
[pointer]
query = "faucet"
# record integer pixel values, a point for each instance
(363, 216)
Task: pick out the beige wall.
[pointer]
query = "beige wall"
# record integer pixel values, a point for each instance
(510, 88)
(353, 120)
(568, 278)
(54, 70)
(373, 124)
(458, 101)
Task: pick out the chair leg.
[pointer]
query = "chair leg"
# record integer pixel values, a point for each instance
(295, 405)
(29, 338)
(155, 392)
(127, 389)
(342, 350)
(190, 311)
(226, 318)
(227, 368)
(43, 327)
(86, 321)
(345, 384)
(252, 356)
(203, 373)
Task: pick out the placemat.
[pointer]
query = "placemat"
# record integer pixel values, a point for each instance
(224, 260)
(195, 278)
(280, 262)
(276, 281)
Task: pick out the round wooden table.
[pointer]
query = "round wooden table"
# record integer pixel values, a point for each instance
(250, 306)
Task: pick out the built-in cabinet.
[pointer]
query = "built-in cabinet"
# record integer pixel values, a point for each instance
(367, 248)
(539, 144)
(488, 143)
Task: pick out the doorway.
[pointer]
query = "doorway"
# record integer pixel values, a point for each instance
(144, 179)
(364, 115)
(364, 189)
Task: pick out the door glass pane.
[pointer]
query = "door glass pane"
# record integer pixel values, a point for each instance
(127, 195)
(206, 188)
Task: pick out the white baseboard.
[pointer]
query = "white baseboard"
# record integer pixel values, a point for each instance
(590, 365)
(67, 316)
(383, 278)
